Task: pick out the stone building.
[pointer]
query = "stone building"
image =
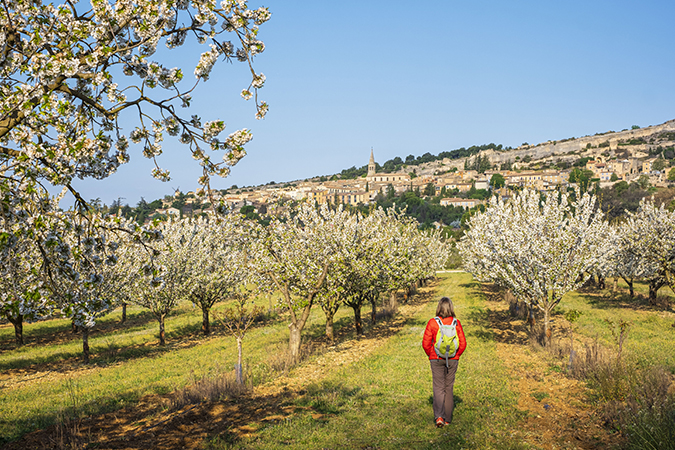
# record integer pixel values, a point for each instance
(374, 177)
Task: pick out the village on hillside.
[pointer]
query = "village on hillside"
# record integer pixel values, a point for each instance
(605, 158)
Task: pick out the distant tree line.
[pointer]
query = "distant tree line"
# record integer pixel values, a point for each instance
(396, 164)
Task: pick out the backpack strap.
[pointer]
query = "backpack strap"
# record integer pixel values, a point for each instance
(440, 324)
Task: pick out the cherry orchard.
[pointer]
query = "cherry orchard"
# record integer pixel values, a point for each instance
(539, 246)
(69, 75)
(294, 254)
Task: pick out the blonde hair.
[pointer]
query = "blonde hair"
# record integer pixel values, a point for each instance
(445, 308)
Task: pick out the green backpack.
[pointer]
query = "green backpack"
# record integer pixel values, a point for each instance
(447, 341)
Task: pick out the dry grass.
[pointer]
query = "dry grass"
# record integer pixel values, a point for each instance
(67, 434)
(634, 398)
(210, 389)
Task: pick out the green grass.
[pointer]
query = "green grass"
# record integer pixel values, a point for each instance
(383, 401)
(126, 363)
(651, 336)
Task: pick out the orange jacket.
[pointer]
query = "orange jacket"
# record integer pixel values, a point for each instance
(429, 338)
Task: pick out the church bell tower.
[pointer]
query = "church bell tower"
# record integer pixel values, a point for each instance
(371, 164)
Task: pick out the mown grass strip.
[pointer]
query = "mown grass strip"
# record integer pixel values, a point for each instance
(383, 401)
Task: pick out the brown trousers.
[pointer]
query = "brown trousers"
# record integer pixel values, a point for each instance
(443, 381)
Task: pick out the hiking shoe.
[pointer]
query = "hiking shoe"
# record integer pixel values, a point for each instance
(440, 422)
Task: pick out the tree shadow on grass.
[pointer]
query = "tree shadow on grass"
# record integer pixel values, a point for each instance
(493, 293)
(480, 325)
(101, 355)
(496, 324)
(330, 397)
(343, 328)
(60, 331)
(150, 423)
(609, 300)
(473, 286)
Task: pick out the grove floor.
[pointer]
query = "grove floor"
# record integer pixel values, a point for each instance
(554, 410)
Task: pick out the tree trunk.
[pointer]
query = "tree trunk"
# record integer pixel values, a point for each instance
(615, 284)
(295, 327)
(206, 325)
(74, 328)
(373, 308)
(654, 287)
(124, 312)
(18, 329)
(357, 319)
(85, 344)
(631, 290)
(530, 316)
(293, 345)
(547, 328)
(329, 309)
(393, 303)
(652, 294)
(162, 340)
(601, 282)
(330, 333)
(238, 368)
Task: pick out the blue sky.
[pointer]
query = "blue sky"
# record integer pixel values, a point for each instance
(426, 76)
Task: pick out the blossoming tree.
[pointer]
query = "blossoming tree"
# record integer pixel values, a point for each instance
(538, 246)
(73, 74)
(293, 255)
(621, 257)
(219, 262)
(24, 296)
(382, 250)
(649, 234)
(89, 277)
(163, 282)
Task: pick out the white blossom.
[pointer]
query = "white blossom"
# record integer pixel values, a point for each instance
(540, 247)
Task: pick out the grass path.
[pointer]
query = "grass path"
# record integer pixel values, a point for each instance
(383, 400)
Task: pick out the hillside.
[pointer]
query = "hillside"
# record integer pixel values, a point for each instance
(637, 142)
(441, 183)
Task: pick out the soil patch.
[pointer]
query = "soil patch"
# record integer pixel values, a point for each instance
(558, 413)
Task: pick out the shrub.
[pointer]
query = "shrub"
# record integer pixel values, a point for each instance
(637, 400)
(647, 414)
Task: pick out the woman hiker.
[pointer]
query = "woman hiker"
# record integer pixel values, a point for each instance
(444, 366)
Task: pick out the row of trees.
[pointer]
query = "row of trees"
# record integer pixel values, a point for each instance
(541, 246)
(307, 255)
(70, 76)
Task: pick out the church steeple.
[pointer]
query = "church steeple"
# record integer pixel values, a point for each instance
(371, 164)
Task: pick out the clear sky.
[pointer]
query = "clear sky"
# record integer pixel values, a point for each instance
(426, 76)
